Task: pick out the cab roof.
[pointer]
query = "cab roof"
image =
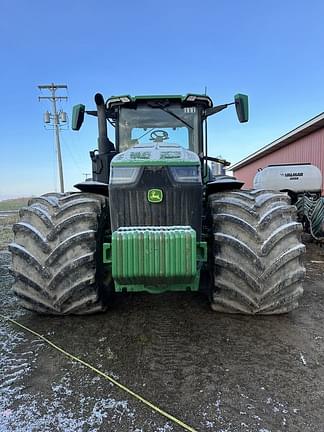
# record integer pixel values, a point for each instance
(185, 100)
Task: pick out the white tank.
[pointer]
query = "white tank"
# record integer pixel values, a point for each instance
(297, 178)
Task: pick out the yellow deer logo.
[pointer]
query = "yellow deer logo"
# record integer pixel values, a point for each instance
(155, 195)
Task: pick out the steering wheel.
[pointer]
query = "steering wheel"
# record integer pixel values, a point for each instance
(159, 135)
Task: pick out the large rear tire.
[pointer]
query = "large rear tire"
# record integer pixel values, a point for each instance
(256, 254)
(56, 254)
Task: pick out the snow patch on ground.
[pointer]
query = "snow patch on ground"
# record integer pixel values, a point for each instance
(51, 415)
(56, 410)
(216, 414)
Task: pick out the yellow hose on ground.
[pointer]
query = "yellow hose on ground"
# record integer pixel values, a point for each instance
(107, 377)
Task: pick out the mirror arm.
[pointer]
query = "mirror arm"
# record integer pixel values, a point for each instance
(92, 113)
(109, 114)
(218, 160)
(216, 109)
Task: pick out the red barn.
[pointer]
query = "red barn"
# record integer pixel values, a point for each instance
(305, 144)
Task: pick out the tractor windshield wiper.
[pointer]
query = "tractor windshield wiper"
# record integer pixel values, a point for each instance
(145, 133)
(175, 116)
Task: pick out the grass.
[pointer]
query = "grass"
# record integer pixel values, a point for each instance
(13, 204)
(6, 222)
(6, 233)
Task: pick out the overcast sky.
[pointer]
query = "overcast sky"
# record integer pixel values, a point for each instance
(273, 51)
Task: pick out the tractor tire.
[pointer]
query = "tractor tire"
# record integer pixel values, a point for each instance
(57, 254)
(257, 253)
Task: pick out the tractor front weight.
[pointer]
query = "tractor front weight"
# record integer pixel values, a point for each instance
(155, 259)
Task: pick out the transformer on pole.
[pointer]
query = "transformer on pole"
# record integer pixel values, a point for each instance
(57, 118)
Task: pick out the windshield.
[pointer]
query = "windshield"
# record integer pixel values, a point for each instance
(168, 125)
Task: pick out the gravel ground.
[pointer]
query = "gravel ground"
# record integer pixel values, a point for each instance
(215, 372)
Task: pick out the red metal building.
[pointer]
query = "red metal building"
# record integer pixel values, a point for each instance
(305, 144)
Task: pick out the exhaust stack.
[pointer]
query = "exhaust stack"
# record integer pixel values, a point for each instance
(101, 158)
(104, 145)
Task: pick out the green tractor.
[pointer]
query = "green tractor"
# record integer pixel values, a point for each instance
(154, 218)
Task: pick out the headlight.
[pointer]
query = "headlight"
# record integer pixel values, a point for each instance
(186, 174)
(202, 98)
(123, 175)
(117, 100)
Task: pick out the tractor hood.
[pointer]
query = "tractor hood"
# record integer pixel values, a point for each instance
(157, 154)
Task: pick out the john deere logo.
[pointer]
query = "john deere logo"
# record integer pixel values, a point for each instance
(155, 195)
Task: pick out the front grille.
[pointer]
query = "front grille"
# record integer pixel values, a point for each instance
(181, 204)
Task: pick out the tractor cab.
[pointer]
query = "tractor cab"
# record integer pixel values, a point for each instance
(147, 120)
(151, 122)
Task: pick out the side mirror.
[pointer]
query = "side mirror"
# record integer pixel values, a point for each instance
(242, 107)
(77, 116)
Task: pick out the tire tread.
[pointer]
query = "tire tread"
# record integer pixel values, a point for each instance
(257, 254)
(54, 254)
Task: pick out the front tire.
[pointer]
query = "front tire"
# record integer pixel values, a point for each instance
(256, 253)
(56, 254)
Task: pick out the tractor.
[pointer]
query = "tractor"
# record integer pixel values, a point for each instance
(154, 218)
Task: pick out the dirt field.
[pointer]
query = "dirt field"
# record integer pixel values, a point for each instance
(215, 372)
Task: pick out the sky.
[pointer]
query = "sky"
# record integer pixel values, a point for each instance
(270, 50)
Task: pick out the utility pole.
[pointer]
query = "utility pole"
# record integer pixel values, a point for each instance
(57, 117)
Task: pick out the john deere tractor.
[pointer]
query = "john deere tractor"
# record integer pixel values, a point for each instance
(153, 218)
